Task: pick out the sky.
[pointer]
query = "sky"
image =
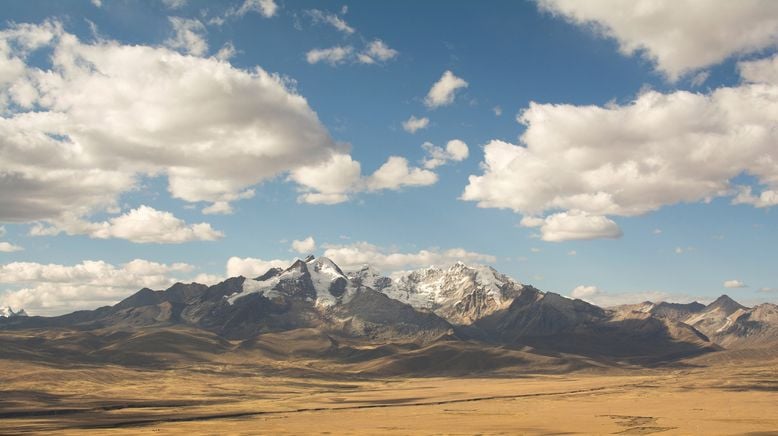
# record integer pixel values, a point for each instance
(615, 154)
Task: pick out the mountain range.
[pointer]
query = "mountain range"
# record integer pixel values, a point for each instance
(432, 319)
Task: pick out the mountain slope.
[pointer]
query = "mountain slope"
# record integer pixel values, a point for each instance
(363, 315)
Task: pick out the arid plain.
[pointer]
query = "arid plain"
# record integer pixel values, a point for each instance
(727, 392)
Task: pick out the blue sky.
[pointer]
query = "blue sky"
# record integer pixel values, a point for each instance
(677, 223)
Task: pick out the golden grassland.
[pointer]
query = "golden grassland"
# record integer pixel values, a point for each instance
(721, 393)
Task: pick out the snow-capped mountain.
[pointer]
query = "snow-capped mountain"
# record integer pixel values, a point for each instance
(319, 281)
(8, 312)
(458, 302)
(461, 294)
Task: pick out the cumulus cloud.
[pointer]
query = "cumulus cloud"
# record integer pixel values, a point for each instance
(51, 289)
(189, 36)
(574, 225)
(396, 173)
(304, 246)
(77, 134)
(584, 292)
(377, 51)
(355, 255)
(318, 16)
(679, 36)
(413, 124)
(141, 225)
(332, 56)
(329, 182)
(456, 150)
(7, 247)
(767, 198)
(734, 284)
(627, 160)
(251, 267)
(336, 180)
(444, 90)
(497, 111)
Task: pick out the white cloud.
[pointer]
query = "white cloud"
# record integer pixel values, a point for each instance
(226, 52)
(679, 36)
(266, 8)
(355, 255)
(332, 56)
(627, 160)
(396, 173)
(251, 267)
(189, 36)
(456, 150)
(304, 246)
(699, 78)
(377, 50)
(572, 253)
(336, 180)
(497, 111)
(584, 292)
(142, 225)
(734, 284)
(218, 208)
(7, 247)
(574, 225)
(657, 231)
(174, 4)
(97, 3)
(2, 231)
(413, 124)
(333, 20)
(105, 115)
(51, 289)
(767, 198)
(444, 90)
(329, 182)
(760, 71)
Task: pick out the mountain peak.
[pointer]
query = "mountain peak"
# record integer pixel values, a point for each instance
(725, 303)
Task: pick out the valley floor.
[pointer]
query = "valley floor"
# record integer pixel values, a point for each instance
(721, 393)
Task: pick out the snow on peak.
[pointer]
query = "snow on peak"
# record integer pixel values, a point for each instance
(329, 282)
(369, 277)
(460, 293)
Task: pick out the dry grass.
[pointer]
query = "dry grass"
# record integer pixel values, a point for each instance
(715, 395)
